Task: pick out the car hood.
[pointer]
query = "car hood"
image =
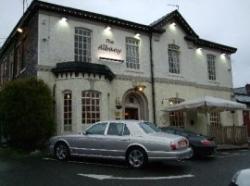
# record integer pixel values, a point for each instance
(243, 177)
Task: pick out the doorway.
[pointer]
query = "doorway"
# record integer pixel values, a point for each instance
(131, 113)
(135, 105)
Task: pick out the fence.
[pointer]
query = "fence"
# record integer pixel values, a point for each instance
(229, 134)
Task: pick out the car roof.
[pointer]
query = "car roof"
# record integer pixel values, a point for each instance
(129, 122)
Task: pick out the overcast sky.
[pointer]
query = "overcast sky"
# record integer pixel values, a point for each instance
(223, 21)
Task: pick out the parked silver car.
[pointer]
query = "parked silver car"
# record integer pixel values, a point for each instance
(241, 178)
(137, 142)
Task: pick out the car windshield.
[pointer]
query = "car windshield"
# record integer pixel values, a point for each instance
(149, 127)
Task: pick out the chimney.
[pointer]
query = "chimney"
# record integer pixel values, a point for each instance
(248, 89)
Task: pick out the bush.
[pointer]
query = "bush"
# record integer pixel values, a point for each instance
(26, 113)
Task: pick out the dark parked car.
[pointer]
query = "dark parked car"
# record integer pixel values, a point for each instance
(201, 145)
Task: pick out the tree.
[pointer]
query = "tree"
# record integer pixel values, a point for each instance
(26, 113)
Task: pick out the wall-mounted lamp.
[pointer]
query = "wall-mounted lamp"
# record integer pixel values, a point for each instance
(20, 30)
(173, 24)
(118, 103)
(64, 19)
(140, 88)
(137, 36)
(107, 28)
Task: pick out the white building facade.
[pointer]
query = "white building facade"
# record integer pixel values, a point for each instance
(101, 68)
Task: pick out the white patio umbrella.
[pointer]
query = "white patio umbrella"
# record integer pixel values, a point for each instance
(205, 105)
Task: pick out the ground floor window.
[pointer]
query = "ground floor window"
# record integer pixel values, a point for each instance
(215, 119)
(67, 117)
(90, 107)
(176, 119)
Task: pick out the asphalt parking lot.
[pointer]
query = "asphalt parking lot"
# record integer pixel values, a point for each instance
(29, 171)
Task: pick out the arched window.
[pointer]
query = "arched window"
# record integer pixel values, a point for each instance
(67, 110)
(173, 58)
(176, 119)
(90, 107)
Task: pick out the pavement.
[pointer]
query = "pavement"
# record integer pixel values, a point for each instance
(46, 171)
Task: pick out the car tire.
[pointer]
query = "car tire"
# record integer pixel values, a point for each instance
(61, 151)
(136, 158)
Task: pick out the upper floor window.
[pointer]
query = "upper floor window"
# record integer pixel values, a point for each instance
(173, 58)
(211, 67)
(90, 107)
(67, 110)
(132, 53)
(82, 45)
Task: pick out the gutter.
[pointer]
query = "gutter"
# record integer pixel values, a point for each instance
(152, 77)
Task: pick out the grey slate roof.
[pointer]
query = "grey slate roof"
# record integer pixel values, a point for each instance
(241, 90)
(242, 98)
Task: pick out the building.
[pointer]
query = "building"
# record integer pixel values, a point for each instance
(242, 95)
(100, 67)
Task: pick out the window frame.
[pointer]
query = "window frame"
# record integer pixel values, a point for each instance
(87, 102)
(215, 119)
(211, 67)
(174, 60)
(94, 125)
(132, 53)
(180, 122)
(67, 127)
(79, 55)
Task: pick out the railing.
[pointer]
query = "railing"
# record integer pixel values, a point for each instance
(228, 134)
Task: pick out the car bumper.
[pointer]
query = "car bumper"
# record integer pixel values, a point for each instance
(171, 155)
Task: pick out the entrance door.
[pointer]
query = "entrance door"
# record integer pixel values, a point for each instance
(246, 118)
(131, 113)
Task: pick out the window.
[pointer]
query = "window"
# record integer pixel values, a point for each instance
(132, 55)
(149, 127)
(67, 119)
(115, 129)
(82, 45)
(90, 107)
(173, 58)
(98, 129)
(126, 131)
(211, 67)
(215, 119)
(176, 119)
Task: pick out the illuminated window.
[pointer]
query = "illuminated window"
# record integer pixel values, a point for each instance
(176, 119)
(173, 58)
(211, 67)
(67, 117)
(90, 107)
(215, 119)
(82, 45)
(132, 53)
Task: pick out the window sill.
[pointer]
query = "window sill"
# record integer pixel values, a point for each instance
(175, 75)
(134, 71)
(213, 82)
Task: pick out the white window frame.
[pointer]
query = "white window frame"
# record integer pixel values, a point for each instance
(177, 118)
(67, 110)
(82, 43)
(91, 111)
(132, 53)
(174, 58)
(215, 119)
(211, 67)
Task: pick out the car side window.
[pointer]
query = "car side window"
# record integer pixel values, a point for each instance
(126, 131)
(115, 129)
(97, 129)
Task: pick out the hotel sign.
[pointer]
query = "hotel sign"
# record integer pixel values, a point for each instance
(109, 52)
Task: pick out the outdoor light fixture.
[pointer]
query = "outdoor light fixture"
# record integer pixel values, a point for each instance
(20, 30)
(107, 28)
(140, 88)
(199, 51)
(137, 36)
(64, 19)
(173, 24)
(223, 56)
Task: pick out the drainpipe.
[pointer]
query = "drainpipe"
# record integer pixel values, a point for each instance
(152, 78)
